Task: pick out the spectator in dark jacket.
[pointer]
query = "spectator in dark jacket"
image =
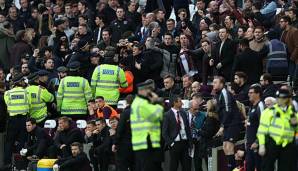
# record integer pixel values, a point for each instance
(224, 54)
(269, 89)
(249, 62)
(120, 25)
(77, 162)
(38, 141)
(66, 136)
(153, 62)
(20, 48)
(170, 89)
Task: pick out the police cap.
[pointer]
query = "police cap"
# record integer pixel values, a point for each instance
(62, 69)
(43, 73)
(148, 84)
(17, 78)
(74, 66)
(283, 93)
(32, 76)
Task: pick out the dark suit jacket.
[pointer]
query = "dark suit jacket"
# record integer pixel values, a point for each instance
(95, 35)
(169, 127)
(226, 58)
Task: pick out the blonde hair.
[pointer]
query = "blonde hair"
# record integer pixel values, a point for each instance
(211, 112)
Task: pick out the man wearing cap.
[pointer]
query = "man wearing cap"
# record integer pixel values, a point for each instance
(107, 78)
(17, 103)
(54, 82)
(276, 134)
(145, 118)
(38, 97)
(74, 92)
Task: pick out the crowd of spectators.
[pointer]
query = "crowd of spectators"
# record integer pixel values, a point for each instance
(179, 44)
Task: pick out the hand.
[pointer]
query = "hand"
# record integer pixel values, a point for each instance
(219, 65)
(23, 152)
(201, 13)
(219, 132)
(112, 132)
(114, 148)
(138, 66)
(88, 133)
(293, 121)
(55, 167)
(35, 53)
(254, 146)
(239, 155)
(211, 62)
(96, 131)
(62, 146)
(262, 150)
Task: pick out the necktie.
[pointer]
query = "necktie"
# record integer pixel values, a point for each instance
(178, 121)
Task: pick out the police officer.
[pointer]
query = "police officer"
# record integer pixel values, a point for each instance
(253, 160)
(107, 78)
(38, 97)
(73, 95)
(276, 134)
(145, 128)
(17, 103)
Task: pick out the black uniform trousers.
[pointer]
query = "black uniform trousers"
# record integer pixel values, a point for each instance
(286, 156)
(148, 160)
(125, 157)
(179, 153)
(15, 137)
(253, 160)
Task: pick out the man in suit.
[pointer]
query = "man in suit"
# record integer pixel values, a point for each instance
(177, 136)
(249, 62)
(224, 54)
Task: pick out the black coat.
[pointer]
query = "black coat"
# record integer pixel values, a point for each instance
(226, 58)
(170, 129)
(78, 163)
(153, 64)
(249, 62)
(123, 133)
(206, 133)
(68, 136)
(37, 142)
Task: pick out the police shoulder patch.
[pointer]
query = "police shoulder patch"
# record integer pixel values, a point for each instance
(33, 95)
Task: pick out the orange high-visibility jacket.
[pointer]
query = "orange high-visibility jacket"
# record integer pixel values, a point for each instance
(129, 78)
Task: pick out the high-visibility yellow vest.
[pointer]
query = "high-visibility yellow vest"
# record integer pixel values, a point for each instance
(38, 97)
(106, 79)
(16, 100)
(275, 123)
(73, 95)
(145, 121)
